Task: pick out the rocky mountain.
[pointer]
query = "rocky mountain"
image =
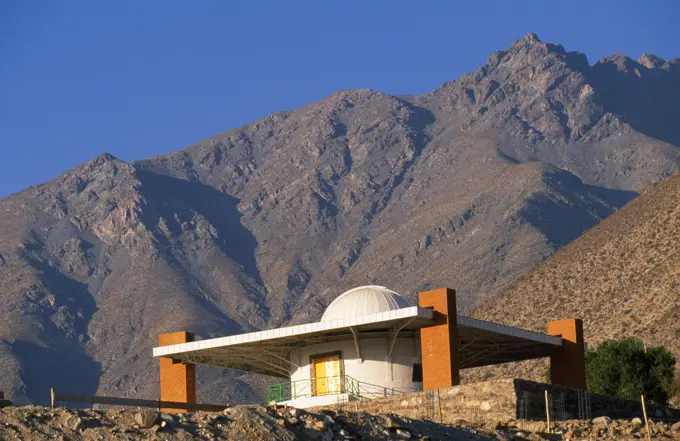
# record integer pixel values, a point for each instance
(622, 278)
(467, 186)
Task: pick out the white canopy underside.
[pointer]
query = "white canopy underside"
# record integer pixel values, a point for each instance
(269, 352)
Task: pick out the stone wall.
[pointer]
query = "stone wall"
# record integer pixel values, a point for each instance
(477, 402)
(505, 400)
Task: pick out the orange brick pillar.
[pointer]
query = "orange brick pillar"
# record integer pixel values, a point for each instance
(568, 363)
(178, 380)
(439, 342)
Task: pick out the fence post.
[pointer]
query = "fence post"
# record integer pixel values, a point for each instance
(547, 409)
(644, 412)
(52, 398)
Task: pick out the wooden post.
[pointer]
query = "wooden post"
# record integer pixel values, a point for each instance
(644, 412)
(52, 398)
(439, 404)
(547, 410)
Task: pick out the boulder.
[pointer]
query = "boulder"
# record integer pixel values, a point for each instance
(602, 421)
(402, 434)
(295, 412)
(393, 422)
(147, 418)
(73, 422)
(534, 426)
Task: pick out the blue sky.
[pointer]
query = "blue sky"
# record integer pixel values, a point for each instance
(142, 78)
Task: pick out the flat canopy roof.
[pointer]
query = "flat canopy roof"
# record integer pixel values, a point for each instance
(269, 352)
(482, 343)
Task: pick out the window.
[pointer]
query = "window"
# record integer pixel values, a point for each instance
(417, 376)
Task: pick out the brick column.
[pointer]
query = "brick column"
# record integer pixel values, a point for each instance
(439, 342)
(178, 380)
(568, 363)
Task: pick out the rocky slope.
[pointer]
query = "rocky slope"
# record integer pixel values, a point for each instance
(282, 424)
(466, 186)
(622, 278)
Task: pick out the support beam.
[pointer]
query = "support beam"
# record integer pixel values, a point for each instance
(393, 333)
(284, 359)
(355, 336)
(439, 342)
(568, 363)
(178, 380)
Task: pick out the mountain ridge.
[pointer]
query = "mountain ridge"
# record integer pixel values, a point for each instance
(263, 225)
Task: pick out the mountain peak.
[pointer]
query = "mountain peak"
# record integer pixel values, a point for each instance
(105, 157)
(531, 44)
(621, 62)
(651, 61)
(526, 43)
(530, 38)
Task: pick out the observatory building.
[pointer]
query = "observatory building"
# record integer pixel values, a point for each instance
(370, 343)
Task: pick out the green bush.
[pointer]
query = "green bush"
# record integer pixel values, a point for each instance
(621, 368)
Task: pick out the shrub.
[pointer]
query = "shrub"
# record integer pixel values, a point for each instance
(621, 368)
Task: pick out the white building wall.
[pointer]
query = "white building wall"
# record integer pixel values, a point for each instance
(325, 400)
(376, 369)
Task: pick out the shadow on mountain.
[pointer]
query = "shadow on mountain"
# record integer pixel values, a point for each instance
(184, 198)
(62, 362)
(64, 366)
(569, 207)
(72, 294)
(647, 99)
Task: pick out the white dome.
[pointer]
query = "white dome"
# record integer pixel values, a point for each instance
(363, 300)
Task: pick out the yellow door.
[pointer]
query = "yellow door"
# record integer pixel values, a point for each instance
(327, 375)
(333, 376)
(320, 375)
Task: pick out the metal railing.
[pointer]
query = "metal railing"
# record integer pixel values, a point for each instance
(320, 386)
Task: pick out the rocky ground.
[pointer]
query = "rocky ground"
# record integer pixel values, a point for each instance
(32, 423)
